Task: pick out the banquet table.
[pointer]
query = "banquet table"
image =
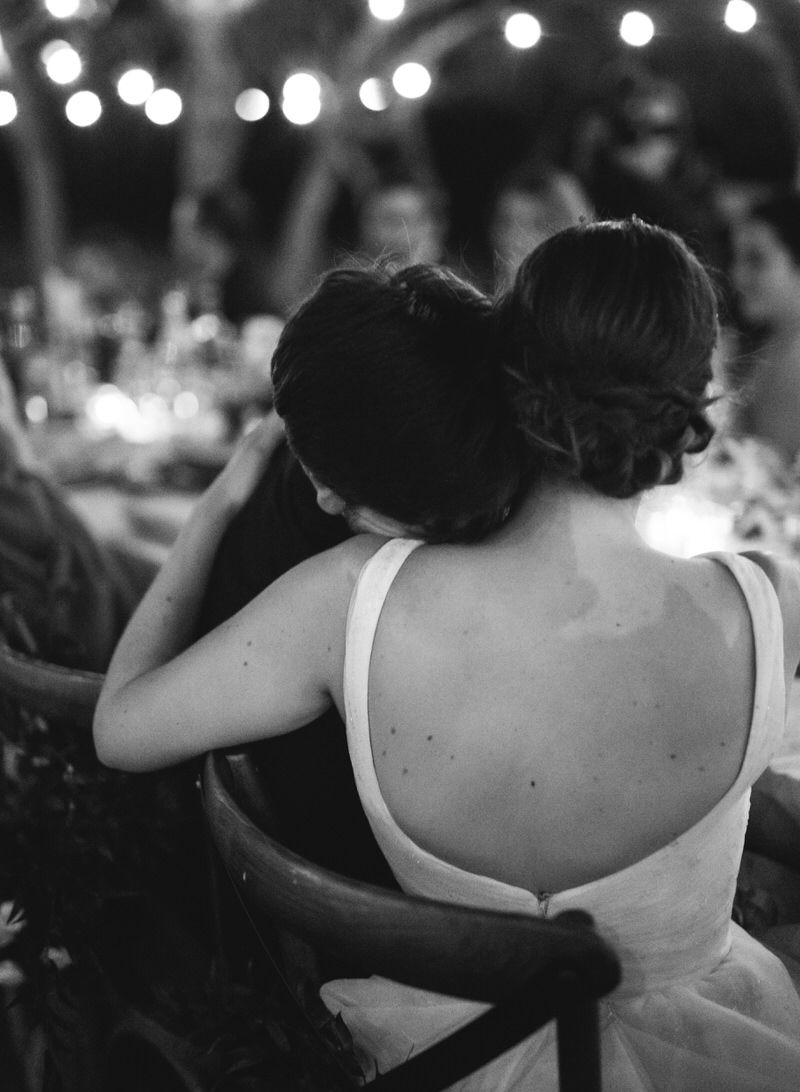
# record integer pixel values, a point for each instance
(134, 497)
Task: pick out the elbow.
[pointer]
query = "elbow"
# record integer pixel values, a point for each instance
(120, 741)
(109, 737)
(103, 739)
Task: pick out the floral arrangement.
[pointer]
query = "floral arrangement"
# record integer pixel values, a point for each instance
(740, 494)
(759, 487)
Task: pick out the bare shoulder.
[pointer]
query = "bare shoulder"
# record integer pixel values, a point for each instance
(782, 572)
(334, 571)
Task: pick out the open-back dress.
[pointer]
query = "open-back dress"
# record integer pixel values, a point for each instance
(701, 1004)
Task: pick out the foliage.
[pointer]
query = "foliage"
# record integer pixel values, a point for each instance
(74, 836)
(105, 913)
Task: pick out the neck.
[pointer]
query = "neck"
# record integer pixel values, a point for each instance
(556, 508)
(367, 520)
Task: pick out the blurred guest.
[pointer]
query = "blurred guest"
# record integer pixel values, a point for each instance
(403, 220)
(766, 276)
(346, 207)
(111, 268)
(63, 597)
(636, 154)
(106, 282)
(216, 244)
(531, 205)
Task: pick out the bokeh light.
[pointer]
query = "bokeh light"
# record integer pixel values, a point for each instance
(135, 86)
(636, 28)
(372, 94)
(411, 80)
(63, 9)
(387, 9)
(522, 30)
(8, 107)
(62, 63)
(83, 108)
(36, 409)
(740, 16)
(302, 102)
(164, 106)
(252, 104)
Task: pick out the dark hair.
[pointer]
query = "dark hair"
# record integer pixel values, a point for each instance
(392, 398)
(609, 330)
(781, 212)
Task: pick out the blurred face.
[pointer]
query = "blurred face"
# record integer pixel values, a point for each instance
(656, 121)
(199, 252)
(521, 221)
(651, 157)
(765, 275)
(400, 222)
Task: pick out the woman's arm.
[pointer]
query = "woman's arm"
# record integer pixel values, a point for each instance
(263, 672)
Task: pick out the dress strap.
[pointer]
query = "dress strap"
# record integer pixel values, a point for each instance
(767, 725)
(366, 603)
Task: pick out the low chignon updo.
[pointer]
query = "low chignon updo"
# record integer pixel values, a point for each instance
(609, 331)
(392, 396)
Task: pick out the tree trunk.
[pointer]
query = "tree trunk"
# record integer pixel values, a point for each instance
(212, 135)
(42, 188)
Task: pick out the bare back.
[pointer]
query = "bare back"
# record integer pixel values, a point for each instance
(555, 704)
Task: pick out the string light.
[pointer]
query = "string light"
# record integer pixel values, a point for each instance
(387, 9)
(63, 9)
(522, 30)
(411, 80)
(83, 108)
(301, 102)
(135, 86)
(62, 63)
(740, 16)
(302, 94)
(372, 94)
(8, 107)
(636, 28)
(252, 104)
(164, 106)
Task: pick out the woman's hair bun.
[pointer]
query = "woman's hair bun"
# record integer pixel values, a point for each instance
(393, 397)
(620, 441)
(609, 330)
(435, 295)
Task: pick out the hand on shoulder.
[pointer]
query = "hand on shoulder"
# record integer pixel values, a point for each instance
(238, 478)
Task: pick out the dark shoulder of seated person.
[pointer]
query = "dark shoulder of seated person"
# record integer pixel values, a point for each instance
(307, 773)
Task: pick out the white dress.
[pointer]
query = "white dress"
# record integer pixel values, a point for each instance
(701, 1005)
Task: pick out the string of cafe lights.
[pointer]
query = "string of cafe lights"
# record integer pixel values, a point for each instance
(302, 92)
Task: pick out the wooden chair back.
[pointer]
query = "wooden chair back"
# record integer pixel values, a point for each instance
(529, 970)
(48, 689)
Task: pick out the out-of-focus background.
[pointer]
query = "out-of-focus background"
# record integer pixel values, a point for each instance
(175, 175)
(125, 109)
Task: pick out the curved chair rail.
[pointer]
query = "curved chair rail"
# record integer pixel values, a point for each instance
(529, 970)
(47, 688)
(473, 953)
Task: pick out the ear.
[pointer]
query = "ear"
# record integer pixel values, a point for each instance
(329, 501)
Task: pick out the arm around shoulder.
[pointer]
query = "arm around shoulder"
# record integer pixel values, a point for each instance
(273, 667)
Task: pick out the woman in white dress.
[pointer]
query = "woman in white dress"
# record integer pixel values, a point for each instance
(553, 716)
